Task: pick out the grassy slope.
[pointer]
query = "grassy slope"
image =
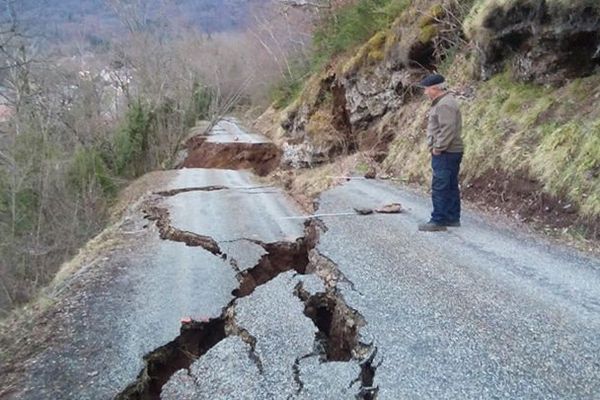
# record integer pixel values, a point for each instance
(549, 134)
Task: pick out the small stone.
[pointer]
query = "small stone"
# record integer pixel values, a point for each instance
(364, 211)
(371, 173)
(393, 208)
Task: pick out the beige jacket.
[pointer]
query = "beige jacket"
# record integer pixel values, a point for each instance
(445, 125)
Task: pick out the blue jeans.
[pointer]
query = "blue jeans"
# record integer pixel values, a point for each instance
(445, 193)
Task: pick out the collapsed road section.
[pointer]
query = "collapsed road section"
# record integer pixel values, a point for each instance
(226, 146)
(263, 317)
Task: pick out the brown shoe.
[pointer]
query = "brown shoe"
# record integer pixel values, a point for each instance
(432, 227)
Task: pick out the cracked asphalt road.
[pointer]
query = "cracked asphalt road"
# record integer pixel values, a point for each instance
(283, 339)
(132, 301)
(480, 312)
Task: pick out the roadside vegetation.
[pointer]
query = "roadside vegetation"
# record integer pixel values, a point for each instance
(544, 135)
(338, 31)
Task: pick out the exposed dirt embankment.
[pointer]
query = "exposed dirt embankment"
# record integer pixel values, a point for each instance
(262, 158)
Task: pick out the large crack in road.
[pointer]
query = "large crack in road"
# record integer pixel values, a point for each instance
(167, 231)
(337, 338)
(337, 325)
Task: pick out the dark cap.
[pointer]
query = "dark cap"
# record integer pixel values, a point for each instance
(432, 80)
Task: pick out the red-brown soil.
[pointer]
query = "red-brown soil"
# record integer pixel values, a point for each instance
(525, 199)
(262, 158)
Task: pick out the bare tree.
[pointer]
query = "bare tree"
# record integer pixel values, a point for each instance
(134, 14)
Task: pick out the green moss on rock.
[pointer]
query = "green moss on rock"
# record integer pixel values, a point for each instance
(427, 33)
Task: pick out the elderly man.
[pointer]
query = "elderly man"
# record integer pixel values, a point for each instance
(446, 147)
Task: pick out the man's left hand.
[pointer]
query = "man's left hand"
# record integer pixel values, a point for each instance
(436, 152)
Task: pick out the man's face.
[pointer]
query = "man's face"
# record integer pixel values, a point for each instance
(431, 92)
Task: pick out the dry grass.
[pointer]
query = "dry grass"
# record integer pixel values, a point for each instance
(408, 154)
(306, 185)
(551, 135)
(372, 52)
(152, 181)
(517, 127)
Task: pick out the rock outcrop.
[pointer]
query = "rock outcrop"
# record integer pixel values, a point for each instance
(544, 41)
(527, 73)
(339, 110)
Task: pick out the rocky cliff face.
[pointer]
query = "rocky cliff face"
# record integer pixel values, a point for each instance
(544, 41)
(541, 41)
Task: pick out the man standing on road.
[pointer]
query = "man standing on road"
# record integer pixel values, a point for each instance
(446, 147)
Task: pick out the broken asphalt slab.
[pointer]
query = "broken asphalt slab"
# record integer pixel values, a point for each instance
(131, 302)
(277, 301)
(122, 309)
(280, 362)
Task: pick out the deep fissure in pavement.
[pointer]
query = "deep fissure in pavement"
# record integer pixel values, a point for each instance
(337, 324)
(367, 378)
(175, 192)
(160, 216)
(280, 257)
(197, 337)
(195, 340)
